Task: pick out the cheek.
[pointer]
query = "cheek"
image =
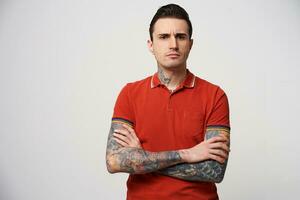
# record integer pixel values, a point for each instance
(158, 52)
(186, 51)
(157, 56)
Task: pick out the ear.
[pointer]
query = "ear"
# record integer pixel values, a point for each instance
(150, 45)
(192, 42)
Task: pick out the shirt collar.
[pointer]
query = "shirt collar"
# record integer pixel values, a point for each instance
(189, 81)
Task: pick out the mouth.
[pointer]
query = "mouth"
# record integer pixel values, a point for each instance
(173, 55)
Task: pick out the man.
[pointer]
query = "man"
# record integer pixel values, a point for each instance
(170, 131)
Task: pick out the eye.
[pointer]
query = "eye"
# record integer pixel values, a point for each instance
(162, 37)
(181, 37)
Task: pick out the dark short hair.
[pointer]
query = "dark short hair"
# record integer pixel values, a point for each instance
(173, 11)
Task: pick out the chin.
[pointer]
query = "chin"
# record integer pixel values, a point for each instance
(172, 65)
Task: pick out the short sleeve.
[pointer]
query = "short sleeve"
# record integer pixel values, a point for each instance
(219, 115)
(123, 111)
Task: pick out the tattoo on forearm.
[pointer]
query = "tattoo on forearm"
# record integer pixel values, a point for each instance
(209, 170)
(136, 160)
(165, 80)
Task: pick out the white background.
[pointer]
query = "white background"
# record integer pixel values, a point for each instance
(63, 62)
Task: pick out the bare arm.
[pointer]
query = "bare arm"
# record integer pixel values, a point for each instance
(133, 159)
(208, 170)
(121, 157)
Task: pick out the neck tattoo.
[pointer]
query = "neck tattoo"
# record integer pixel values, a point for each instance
(165, 80)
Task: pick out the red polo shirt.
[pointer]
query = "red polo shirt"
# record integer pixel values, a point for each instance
(165, 120)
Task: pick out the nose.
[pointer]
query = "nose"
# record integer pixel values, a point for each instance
(173, 43)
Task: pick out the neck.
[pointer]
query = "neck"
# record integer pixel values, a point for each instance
(171, 78)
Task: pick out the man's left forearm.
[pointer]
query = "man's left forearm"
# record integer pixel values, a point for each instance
(208, 170)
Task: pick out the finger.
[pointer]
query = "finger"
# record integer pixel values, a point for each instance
(122, 131)
(122, 143)
(134, 136)
(130, 135)
(127, 139)
(125, 142)
(119, 131)
(219, 152)
(227, 140)
(125, 133)
(121, 137)
(219, 145)
(217, 139)
(130, 129)
(217, 158)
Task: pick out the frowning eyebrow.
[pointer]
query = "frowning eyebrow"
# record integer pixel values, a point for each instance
(176, 35)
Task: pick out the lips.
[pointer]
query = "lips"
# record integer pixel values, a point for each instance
(173, 55)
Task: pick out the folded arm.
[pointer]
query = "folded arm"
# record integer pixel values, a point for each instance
(208, 170)
(124, 153)
(134, 159)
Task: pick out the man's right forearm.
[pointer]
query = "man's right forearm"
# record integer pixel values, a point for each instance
(123, 158)
(137, 160)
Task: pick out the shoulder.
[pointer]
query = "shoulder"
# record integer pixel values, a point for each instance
(139, 85)
(204, 85)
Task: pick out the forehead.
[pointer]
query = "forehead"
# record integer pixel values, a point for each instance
(168, 25)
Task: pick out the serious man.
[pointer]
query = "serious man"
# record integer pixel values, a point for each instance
(170, 131)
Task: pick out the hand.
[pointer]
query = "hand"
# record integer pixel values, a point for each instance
(127, 137)
(226, 135)
(215, 148)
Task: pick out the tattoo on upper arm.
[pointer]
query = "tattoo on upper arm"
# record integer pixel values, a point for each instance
(136, 160)
(209, 170)
(112, 145)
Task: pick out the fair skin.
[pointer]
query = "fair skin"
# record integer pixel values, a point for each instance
(208, 149)
(170, 46)
(124, 156)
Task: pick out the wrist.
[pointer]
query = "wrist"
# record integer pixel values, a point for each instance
(184, 154)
